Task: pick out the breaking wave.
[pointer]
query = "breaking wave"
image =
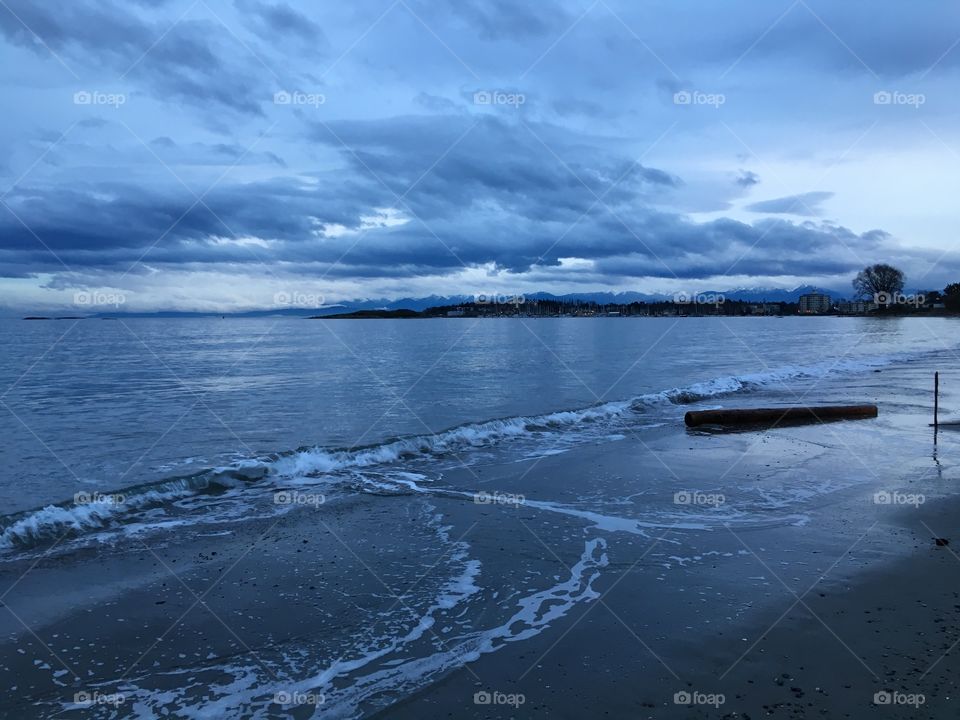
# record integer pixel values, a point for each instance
(33, 527)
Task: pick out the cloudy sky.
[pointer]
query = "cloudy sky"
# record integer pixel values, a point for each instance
(233, 154)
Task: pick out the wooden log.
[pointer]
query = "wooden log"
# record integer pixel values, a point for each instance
(773, 416)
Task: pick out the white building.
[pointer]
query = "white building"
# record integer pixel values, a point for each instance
(815, 304)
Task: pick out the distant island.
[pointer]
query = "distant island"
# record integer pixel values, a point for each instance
(375, 314)
(878, 291)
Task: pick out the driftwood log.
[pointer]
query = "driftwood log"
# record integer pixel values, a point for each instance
(773, 416)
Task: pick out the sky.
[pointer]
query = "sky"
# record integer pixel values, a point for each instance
(244, 154)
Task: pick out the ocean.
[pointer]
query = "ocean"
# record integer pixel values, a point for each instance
(366, 480)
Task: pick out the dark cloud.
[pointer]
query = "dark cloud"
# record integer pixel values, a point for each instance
(190, 61)
(574, 106)
(856, 37)
(94, 122)
(496, 196)
(498, 19)
(401, 174)
(278, 23)
(435, 103)
(457, 163)
(806, 204)
(891, 44)
(275, 159)
(197, 154)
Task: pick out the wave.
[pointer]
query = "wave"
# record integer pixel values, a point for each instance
(312, 461)
(731, 384)
(46, 524)
(95, 511)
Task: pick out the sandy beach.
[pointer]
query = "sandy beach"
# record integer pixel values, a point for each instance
(598, 562)
(779, 623)
(807, 615)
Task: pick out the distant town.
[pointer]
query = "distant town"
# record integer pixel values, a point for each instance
(695, 306)
(878, 290)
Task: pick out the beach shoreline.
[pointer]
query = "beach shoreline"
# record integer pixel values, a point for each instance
(655, 621)
(573, 563)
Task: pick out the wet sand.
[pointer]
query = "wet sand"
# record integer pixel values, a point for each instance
(818, 637)
(787, 621)
(566, 603)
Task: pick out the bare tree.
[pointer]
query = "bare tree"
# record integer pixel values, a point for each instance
(951, 297)
(880, 282)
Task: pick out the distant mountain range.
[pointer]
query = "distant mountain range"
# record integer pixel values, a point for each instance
(422, 303)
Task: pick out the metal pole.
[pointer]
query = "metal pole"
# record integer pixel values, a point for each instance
(936, 400)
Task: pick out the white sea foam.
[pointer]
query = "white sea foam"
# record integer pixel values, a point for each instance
(533, 614)
(729, 385)
(320, 460)
(243, 690)
(54, 521)
(342, 683)
(659, 518)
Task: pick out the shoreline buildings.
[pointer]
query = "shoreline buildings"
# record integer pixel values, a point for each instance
(815, 304)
